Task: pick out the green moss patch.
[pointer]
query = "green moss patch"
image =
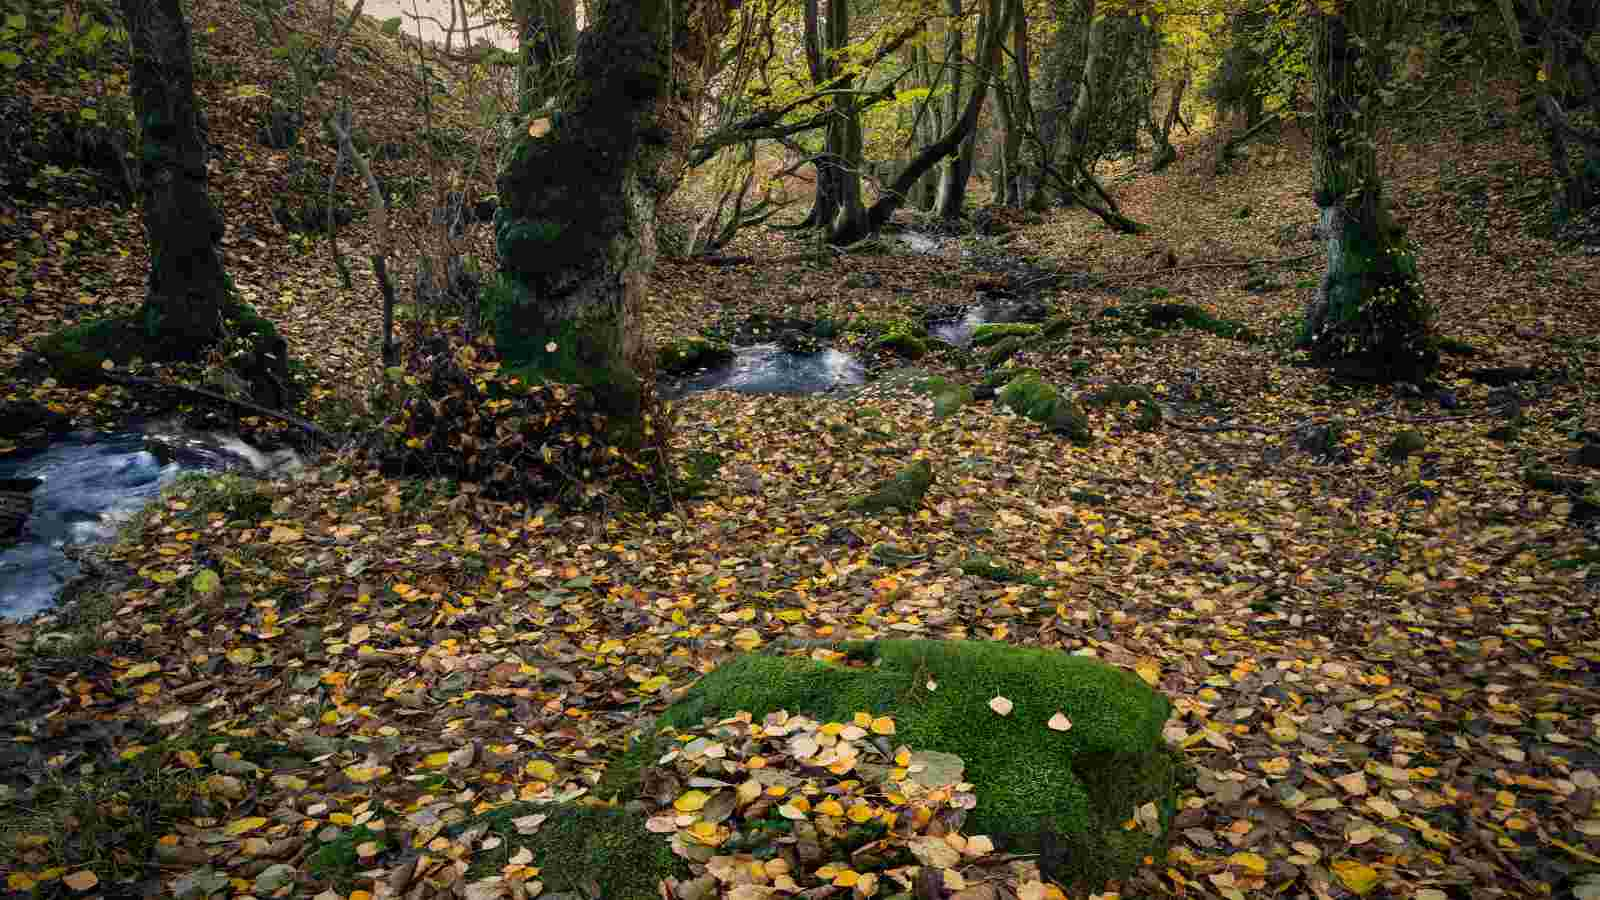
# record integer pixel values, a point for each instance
(903, 344)
(692, 353)
(903, 492)
(577, 849)
(1078, 786)
(1031, 396)
(987, 334)
(1119, 396)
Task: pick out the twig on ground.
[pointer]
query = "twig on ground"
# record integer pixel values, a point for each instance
(308, 427)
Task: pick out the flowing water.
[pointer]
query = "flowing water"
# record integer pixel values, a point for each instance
(89, 484)
(770, 369)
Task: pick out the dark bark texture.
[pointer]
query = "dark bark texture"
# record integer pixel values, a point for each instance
(188, 287)
(576, 224)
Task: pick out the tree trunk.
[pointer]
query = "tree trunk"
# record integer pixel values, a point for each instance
(547, 34)
(575, 229)
(1016, 175)
(844, 134)
(1566, 74)
(999, 20)
(1368, 318)
(1161, 135)
(188, 287)
(950, 172)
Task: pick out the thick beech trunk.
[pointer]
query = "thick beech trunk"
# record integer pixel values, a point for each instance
(576, 224)
(188, 286)
(1369, 318)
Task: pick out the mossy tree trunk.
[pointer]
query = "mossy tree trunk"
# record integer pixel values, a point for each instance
(548, 34)
(1369, 317)
(579, 195)
(188, 286)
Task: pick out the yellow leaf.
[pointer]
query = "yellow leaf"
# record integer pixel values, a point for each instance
(691, 801)
(653, 684)
(542, 770)
(830, 808)
(861, 813)
(1149, 670)
(242, 656)
(242, 826)
(1253, 863)
(846, 878)
(140, 671)
(1358, 877)
(20, 881)
(883, 725)
(283, 535)
(437, 759)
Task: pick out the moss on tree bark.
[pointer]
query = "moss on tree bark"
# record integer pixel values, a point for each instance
(579, 195)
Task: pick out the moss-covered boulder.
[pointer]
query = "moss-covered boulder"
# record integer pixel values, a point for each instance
(1406, 443)
(1119, 396)
(904, 491)
(577, 849)
(903, 344)
(948, 396)
(1079, 786)
(1031, 396)
(692, 353)
(1003, 351)
(993, 332)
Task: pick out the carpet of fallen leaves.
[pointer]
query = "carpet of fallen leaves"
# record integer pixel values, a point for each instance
(1384, 672)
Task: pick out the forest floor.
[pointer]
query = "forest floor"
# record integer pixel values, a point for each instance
(1384, 670)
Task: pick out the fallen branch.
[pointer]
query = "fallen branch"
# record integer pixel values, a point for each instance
(308, 427)
(708, 259)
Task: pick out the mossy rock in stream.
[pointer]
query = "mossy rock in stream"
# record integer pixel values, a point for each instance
(578, 849)
(1031, 396)
(993, 332)
(1004, 350)
(692, 353)
(1073, 789)
(904, 491)
(903, 345)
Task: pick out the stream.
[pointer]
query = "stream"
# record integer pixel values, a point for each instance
(770, 369)
(89, 483)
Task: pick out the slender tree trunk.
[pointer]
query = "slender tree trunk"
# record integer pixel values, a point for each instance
(1368, 318)
(950, 169)
(998, 21)
(844, 134)
(931, 126)
(188, 286)
(575, 229)
(1161, 135)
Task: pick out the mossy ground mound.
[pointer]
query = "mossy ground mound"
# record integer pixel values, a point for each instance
(1079, 786)
(78, 353)
(903, 492)
(579, 849)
